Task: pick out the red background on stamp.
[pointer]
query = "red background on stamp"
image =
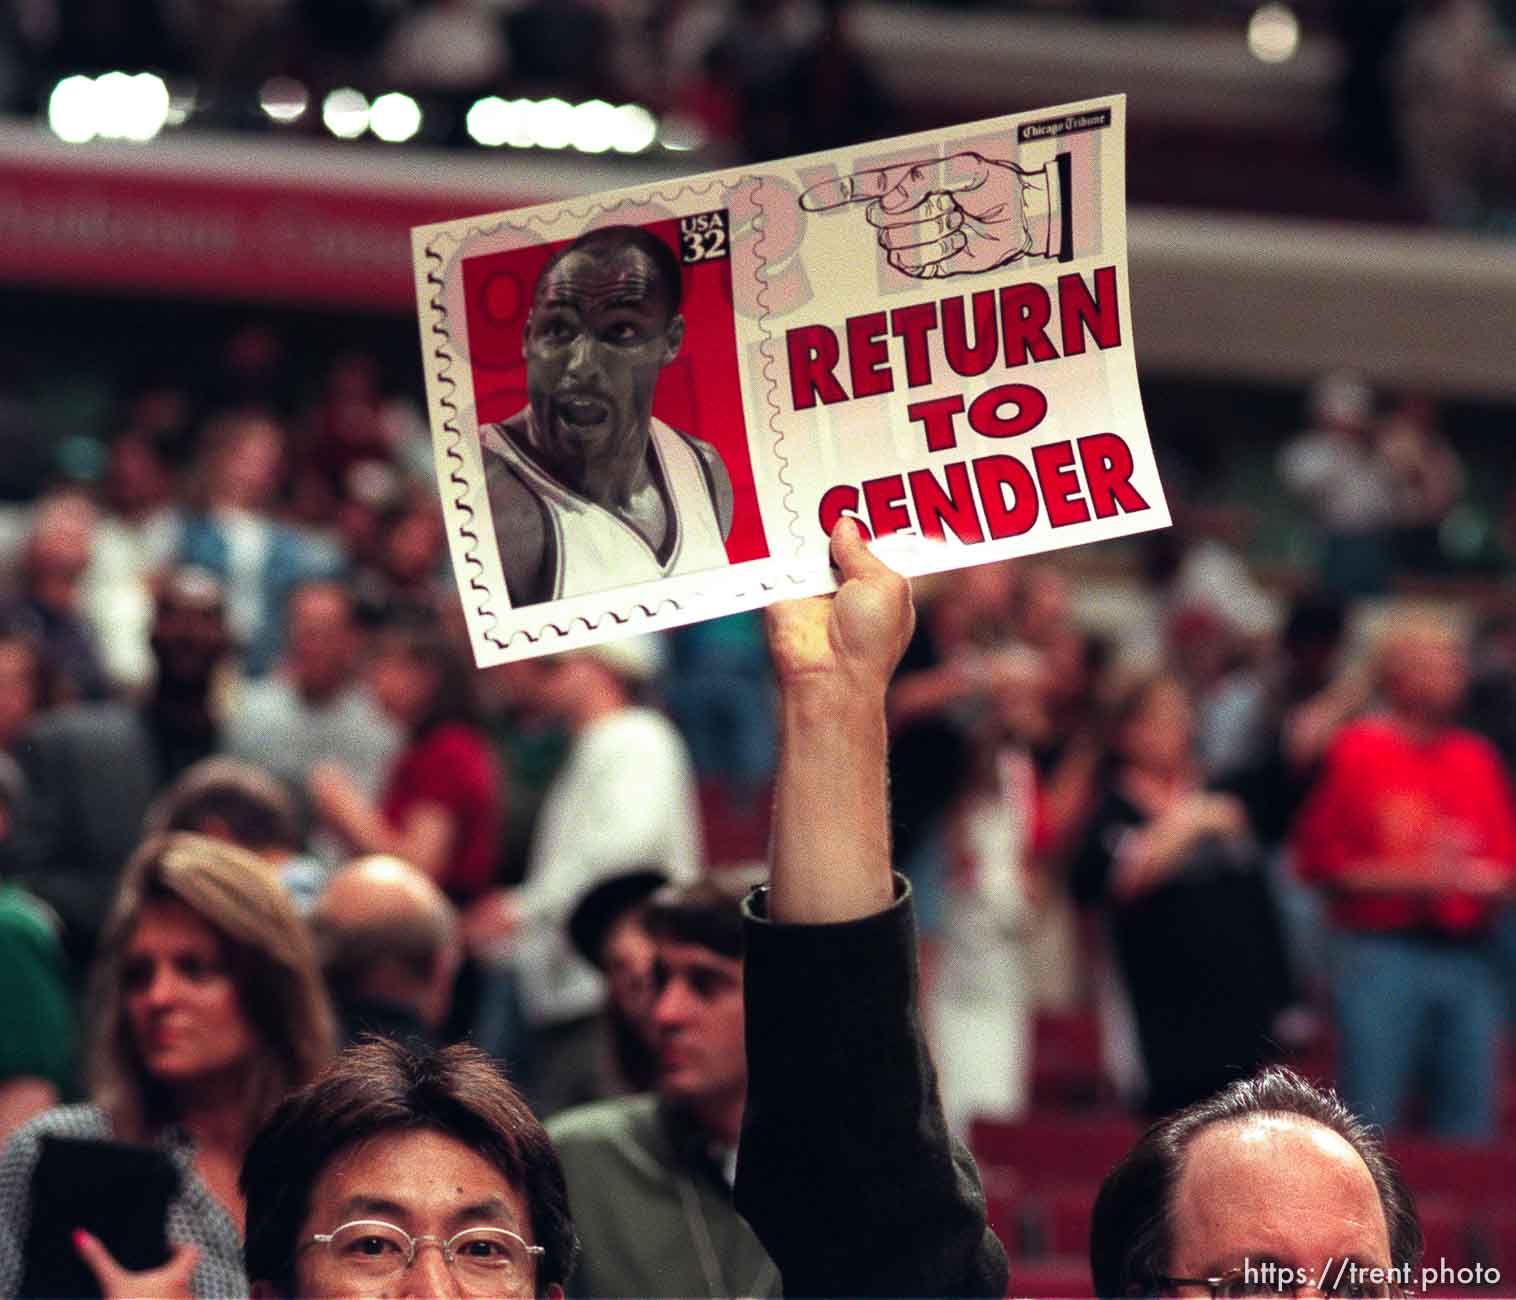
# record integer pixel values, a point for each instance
(698, 392)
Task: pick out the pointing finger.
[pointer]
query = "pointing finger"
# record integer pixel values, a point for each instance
(900, 187)
(860, 187)
(959, 171)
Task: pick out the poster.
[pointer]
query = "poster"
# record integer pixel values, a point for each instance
(649, 407)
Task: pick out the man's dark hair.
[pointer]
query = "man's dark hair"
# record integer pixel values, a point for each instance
(607, 241)
(1316, 618)
(1131, 1235)
(256, 808)
(414, 634)
(351, 953)
(382, 1087)
(707, 912)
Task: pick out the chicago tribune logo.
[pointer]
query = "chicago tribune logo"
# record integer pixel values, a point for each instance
(1069, 124)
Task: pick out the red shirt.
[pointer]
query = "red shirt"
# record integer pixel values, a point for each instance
(453, 766)
(1384, 798)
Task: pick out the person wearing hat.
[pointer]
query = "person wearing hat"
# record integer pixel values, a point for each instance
(1338, 471)
(595, 822)
(607, 930)
(650, 1176)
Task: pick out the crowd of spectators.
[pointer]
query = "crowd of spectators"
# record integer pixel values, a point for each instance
(245, 759)
(1184, 795)
(1230, 821)
(254, 596)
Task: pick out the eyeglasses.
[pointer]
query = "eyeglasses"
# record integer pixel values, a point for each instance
(492, 1261)
(1269, 1281)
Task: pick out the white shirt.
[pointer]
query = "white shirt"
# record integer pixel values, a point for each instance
(625, 798)
(1347, 485)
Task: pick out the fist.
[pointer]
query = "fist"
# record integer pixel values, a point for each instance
(854, 638)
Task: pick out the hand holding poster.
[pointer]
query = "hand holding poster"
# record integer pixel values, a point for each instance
(650, 407)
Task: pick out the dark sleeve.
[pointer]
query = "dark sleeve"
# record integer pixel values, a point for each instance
(90, 777)
(846, 1170)
(1090, 867)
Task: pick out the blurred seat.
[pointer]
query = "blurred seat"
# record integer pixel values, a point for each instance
(1472, 1174)
(1039, 1222)
(1045, 1150)
(1066, 1066)
(1447, 1230)
(1067, 1275)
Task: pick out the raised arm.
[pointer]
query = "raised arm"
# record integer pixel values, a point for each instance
(846, 1170)
(833, 657)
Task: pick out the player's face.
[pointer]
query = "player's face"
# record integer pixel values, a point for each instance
(598, 335)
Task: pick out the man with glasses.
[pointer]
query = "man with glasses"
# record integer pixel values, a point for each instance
(392, 1150)
(428, 1173)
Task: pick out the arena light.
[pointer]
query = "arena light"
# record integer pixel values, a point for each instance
(493, 121)
(636, 129)
(550, 123)
(488, 121)
(130, 107)
(71, 110)
(283, 99)
(183, 100)
(1273, 33)
(518, 124)
(345, 112)
(595, 126)
(113, 106)
(395, 118)
(680, 134)
(591, 127)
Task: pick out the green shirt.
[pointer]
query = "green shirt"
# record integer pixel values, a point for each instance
(38, 1034)
(652, 1207)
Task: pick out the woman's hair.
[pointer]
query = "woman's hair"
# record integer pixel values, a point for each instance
(267, 953)
(429, 648)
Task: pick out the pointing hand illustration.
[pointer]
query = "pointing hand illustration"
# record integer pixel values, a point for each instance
(954, 215)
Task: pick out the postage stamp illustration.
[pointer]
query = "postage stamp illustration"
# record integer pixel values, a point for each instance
(651, 406)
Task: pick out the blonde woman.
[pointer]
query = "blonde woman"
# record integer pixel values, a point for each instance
(208, 1008)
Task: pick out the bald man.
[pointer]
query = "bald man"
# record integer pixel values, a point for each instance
(1410, 832)
(1269, 1187)
(389, 945)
